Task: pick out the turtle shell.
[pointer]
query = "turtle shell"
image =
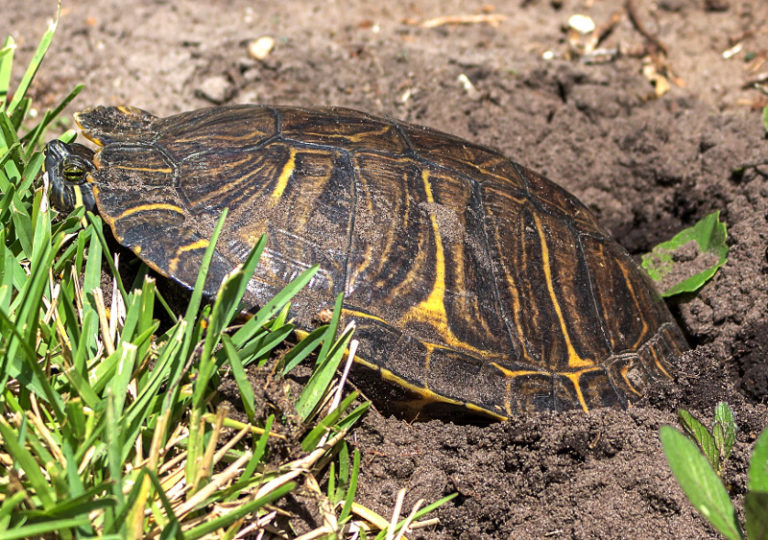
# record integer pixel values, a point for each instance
(472, 280)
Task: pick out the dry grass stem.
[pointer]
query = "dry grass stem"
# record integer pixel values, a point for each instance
(493, 19)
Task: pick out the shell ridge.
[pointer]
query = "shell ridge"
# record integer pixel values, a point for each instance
(592, 288)
(477, 193)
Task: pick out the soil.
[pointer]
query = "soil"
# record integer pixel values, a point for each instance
(648, 165)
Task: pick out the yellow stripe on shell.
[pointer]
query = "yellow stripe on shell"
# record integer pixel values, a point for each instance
(149, 208)
(432, 309)
(424, 392)
(391, 238)
(517, 310)
(164, 170)
(574, 359)
(418, 390)
(632, 293)
(624, 373)
(574, 378)
(657, 361)
(107, 219)
(285, 175)
(366, 135)
(173, 265)
(88, 135)
(353, 313)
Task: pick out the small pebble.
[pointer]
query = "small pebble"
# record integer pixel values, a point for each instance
(259, 49)
(214, 89)
(582, 24)
(469, 88)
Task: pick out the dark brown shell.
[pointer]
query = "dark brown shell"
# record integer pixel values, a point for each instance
(472, 279)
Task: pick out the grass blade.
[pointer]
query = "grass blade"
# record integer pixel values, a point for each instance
(33, 66)
(44, 529)
(321, 378)
(304, 348)
(273, 306)
(241, 511)
(349, 497)
(241, 378)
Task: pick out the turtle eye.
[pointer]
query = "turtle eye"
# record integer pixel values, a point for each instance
(73, 172)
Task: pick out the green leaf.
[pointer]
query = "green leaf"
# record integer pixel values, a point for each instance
(262, 345)
(259, 450)
(31, 138)
(765, 118)
(330, 334)
(6, 63)
(758, 467)
(700, 434)
(195, 300)
(756, 510)
(228, 298)
(724, 430)
(677, 271)
(335, 495)
(354, 416)
(699, 482)
(125, 356)
(312, 439)
(24, 459)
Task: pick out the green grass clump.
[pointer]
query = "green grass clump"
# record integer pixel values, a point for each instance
(110, 426)
(696, 459)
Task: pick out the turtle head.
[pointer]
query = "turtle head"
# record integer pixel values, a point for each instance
(67, 166)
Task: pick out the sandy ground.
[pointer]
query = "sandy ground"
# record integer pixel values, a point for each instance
(647, 165)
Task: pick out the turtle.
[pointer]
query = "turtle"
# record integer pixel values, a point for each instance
(473, 281)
